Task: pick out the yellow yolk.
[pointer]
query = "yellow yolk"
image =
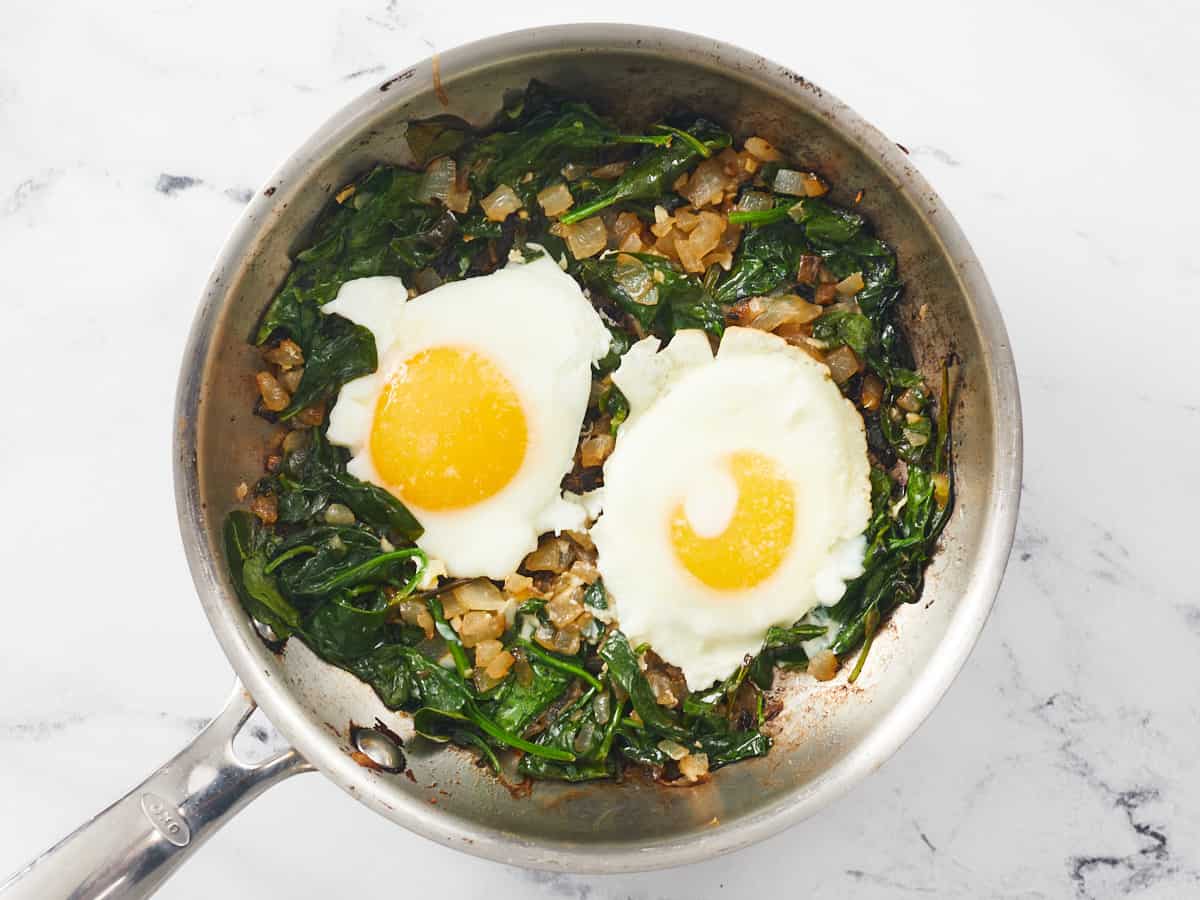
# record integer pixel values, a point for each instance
(449, 430)
(758, 535)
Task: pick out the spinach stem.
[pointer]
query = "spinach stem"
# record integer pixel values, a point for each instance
(487, 725)
(562, 665)
(286, 555)
(457, 652)
(694, 142)
(476, 741)
(870, 627)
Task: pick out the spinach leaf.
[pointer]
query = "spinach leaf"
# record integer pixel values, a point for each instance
(315, 475)
(767, 259)
(596, 596)
(652, 176)
(624, 672)
(612, 359)
(579, 730)
(338, 352)
(245, 554)
(436, 136)
(723, 749)
(389, 670)
(341, 629)
(514, 705)
(641, 747)
(839, 326)
(650, 288)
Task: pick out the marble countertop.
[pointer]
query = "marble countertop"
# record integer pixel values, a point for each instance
(1063, 760)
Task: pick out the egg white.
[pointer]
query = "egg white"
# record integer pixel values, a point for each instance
(533, 322)
(688, 412)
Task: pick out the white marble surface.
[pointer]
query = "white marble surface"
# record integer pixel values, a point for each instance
(1063, 761)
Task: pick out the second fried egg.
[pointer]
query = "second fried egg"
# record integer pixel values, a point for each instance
(736, 497)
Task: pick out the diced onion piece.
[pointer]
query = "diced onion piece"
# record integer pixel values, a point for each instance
(585, 570)
(500, 203)
(707, 184)
(486, 651)
(799, 184)
(480, 594)
(266, 507)
(274, 397)
(519, 586)
(438, 181)
(566, 643)
(480, 626)
(595, 450)
(809, 269)
(843, 364)
(556, 199)
(664, 693)
(338, 514)
(564, 608)
(762, 150)
(813, 185)
(583, 539)
(729, 162)
(554, 554)
(452, 605)
(707, 234)
(704, 238)
(686, 219)
(790, 181)
(755, 201)
(611, 170)
(664, 222)
(872, 392)
(779, 311)
(287, 355)
(694, 766)
(635, 279)
(823, 666)
(586, 238)
(573, 172)
(291, 378)
(850, 285)
(626, 224)
(500, 665)
(602, 708)
(825, 294)
(632, 243)
(747, 310)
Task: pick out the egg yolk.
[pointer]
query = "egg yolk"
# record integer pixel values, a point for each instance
(449, 430)
(757, 536)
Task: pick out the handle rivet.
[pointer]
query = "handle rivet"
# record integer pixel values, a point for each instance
(378, 747)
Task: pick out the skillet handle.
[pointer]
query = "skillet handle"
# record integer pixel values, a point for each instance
(131, 848)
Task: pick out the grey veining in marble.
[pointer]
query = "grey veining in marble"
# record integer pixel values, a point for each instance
(1063, 761)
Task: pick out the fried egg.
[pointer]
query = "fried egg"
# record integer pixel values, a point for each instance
(736, 497)
(473, 414)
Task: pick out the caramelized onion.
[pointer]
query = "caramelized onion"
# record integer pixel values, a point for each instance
(555, 200)
(500, 203)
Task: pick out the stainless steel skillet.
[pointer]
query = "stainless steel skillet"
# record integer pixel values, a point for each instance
(829, 736)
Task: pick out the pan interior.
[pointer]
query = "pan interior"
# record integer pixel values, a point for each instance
(829, 735)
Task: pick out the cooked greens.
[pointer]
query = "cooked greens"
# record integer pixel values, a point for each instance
(332, 560)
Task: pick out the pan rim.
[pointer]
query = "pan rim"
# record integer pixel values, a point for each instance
(901, 721)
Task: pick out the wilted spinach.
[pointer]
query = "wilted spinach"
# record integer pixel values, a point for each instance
(346, 590)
